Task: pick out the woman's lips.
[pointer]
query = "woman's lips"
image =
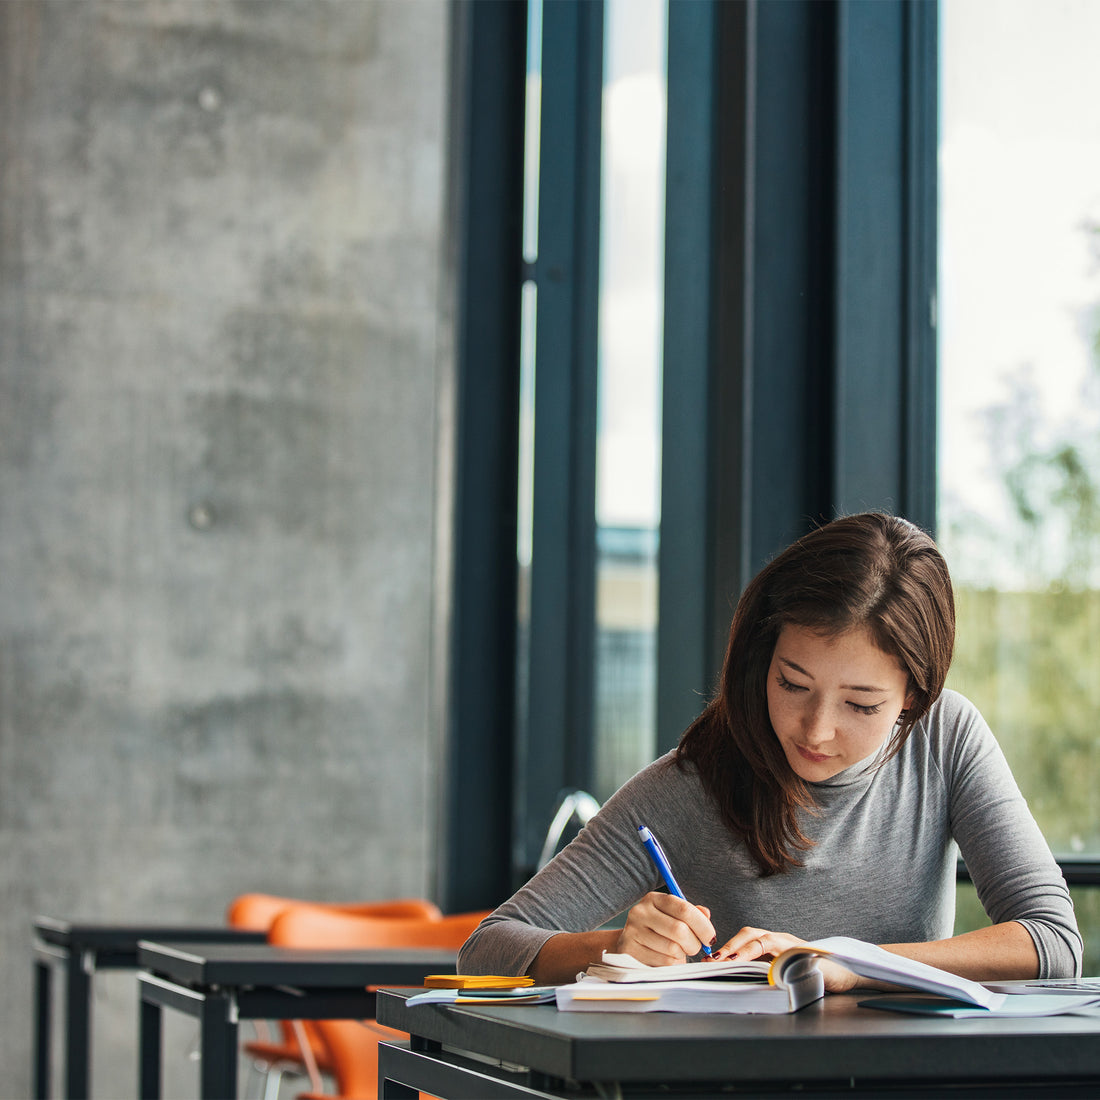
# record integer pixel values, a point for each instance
(813, 757)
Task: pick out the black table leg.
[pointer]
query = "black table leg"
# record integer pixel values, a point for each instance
(43, 1020)
(78, 996)
(218, 1039)
(149, 1050)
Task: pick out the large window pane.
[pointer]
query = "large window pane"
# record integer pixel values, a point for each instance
(1019, 461)
(630, 336)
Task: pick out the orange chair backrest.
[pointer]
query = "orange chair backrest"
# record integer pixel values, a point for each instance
(256, 911)
(320, 926)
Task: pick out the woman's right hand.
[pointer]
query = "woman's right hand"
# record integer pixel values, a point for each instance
(662, 929)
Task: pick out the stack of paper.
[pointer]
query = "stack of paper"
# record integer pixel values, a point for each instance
(626, 968)
(523, 995)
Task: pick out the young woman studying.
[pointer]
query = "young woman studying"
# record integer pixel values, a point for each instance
(823, 791)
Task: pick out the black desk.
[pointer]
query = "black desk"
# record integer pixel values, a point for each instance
(222, 984)
(80, 949)
(829, 1047)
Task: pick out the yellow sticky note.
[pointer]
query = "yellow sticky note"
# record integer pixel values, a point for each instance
(476, 981)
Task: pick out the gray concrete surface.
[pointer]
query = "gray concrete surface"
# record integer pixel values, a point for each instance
(220, 252)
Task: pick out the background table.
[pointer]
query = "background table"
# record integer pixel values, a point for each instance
(828, 1047)
(79, 949)
(221, 984)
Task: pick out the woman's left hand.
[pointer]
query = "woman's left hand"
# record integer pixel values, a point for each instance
(758, 943)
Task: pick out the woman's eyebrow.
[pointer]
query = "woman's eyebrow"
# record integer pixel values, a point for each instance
(797, 668)
(847, 687)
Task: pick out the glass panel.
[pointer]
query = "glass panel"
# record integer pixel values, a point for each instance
(629, 430)
(525, 504)
(1019, 462)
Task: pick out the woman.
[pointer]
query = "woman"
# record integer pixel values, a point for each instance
(821, 792)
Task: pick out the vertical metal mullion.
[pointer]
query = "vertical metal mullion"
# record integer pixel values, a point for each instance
(884, 427)
(869, 429)
(789, 366)
(581, 729)
(922, 140)
(486, 199)
(685, 658)
(559, 702)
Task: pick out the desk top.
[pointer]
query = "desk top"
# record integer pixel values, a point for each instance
(832, 1040)
(116, 935)
(248, 964)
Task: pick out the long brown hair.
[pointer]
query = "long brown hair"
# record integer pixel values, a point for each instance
(870, 570)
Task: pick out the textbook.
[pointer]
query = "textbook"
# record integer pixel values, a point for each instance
(712, 987)
(793, 979)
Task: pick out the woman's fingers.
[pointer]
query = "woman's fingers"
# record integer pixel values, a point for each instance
(755, 943)
(662, 929)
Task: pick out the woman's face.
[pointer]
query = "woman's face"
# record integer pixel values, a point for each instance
(833, 699)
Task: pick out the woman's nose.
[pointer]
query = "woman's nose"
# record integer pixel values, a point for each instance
(818, 726)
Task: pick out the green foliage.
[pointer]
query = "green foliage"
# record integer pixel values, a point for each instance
(969, 915)
(1030, 661)
(1027, 572)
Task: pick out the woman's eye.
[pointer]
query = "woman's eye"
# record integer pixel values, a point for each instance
(786, 685)
(871, 710)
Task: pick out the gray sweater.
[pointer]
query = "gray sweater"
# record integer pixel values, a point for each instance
(882, 867)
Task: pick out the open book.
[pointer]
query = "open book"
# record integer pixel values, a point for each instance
(626, 968)
(793, 980)
(870, 961)
(621, 984)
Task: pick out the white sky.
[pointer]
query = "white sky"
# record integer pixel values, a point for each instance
(1020, 178)
(632, 265)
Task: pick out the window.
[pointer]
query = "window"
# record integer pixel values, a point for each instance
(722, 342)
(628, 435)
(589, 437)
(1019, 451)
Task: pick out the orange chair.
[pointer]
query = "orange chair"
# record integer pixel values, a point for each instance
(255, 912)
(352, 1045)
(273, 1057)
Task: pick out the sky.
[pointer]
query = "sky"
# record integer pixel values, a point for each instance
(1019, 282)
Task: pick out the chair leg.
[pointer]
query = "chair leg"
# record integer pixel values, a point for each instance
(307, 1056)
(271, 1085)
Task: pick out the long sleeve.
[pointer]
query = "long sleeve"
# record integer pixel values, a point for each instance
(602, 873)
(1014, 872)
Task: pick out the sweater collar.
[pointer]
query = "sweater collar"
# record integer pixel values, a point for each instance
(860, 773)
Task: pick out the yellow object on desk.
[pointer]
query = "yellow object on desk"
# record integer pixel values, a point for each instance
(476, 981)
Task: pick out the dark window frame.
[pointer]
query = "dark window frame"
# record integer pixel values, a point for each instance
(799, 363)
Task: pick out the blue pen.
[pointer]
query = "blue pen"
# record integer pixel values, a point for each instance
(658, 856)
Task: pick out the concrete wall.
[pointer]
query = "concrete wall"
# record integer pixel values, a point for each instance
(220, 252)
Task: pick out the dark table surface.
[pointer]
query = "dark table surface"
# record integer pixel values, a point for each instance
(112, 935)
(222, 964)
(834, 1039)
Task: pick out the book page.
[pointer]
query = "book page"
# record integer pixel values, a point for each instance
(625, 968)
(871, 961)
